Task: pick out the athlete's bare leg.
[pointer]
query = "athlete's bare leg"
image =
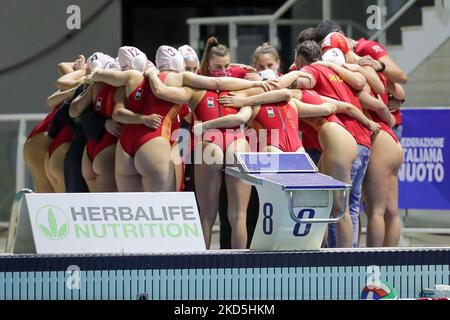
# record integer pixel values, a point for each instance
(339, 151)
(153, 163)
(325, 237)
(103, 167)
(88, 172)
(208, 181)
(127, 177)
(49, 175)
(178, 166)
(34, 152)
(238, 196)
(392, 219)
(55, 167)
(384, 163)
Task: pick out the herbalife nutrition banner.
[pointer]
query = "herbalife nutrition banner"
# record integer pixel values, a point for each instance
(424, 178)
(115, 222)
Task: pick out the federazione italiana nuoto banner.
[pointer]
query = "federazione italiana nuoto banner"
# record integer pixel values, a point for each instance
(424, 181)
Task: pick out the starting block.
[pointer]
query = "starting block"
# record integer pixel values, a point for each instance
(295, 200)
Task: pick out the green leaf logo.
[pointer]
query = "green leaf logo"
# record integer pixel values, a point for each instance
(52, 223)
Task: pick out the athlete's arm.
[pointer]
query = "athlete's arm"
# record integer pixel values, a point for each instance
(391, 70)
(228, 121)
(372, 78)
(71, 79)
(354, 79)
(296, 80)
(80, 103)
(306, 110)
(221, 83)
(352, 111)
(59, 96)
(172, 94)
(113, 77)
(65, 68)
(371, 103)
(398, 96)
(238, 101)
(122, 115)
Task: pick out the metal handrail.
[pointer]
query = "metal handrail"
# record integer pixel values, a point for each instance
(272, 21)
(315, 220)
(283, 9)
(22, 116)
(264, 20)
(13, 221)
(393, 19)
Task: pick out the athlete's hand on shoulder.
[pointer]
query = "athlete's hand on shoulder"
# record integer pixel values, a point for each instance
(253, 76)
(369, 62)
(232, 100)
(113, 127)
(374, 127)
(199, 128)
(80, 63)
(151, 71)
(88, 79)
(274, 84)
(266, 85)
(152, 121)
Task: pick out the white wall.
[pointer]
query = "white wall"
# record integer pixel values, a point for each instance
(30, 26)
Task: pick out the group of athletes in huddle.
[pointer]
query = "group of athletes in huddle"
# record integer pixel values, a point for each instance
(125, 124)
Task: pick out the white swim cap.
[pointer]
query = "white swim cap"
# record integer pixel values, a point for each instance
(113, 65)
(335, 56)
(132, 58)
(168, 58)
(267, 74)
(99, 60)
(188, 53)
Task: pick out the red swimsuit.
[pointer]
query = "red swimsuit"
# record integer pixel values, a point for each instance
(280, 123)
(64, 135)
(329, 84)
(210, 109)
(310, 127)
(176, 123)
(143, 101)
(42, 126)
(104, 105)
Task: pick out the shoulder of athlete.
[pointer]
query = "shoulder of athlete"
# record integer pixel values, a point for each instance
(173, 79)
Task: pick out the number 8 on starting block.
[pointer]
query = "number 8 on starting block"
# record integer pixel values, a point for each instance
(295, 200)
